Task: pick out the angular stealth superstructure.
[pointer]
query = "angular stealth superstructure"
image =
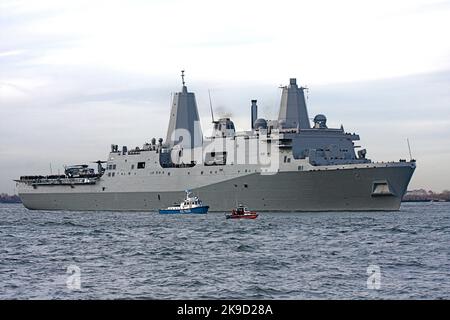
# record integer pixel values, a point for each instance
(277, 165)
(184, 123)
(293, 113)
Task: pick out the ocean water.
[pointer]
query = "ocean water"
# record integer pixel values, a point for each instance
(144, 255)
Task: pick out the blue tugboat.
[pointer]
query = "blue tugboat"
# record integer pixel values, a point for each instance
(191, 204)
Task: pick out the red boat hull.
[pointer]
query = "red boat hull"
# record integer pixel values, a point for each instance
(242, 216)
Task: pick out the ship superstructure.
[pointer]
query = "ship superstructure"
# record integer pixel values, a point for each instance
(287, 164)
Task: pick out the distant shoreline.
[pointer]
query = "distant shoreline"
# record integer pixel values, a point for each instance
(422, 195)
(6, 198)
(425, 200)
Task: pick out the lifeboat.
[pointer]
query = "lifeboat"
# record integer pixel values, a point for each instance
(242, 212)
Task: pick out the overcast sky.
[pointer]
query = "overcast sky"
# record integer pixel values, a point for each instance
(76, 76)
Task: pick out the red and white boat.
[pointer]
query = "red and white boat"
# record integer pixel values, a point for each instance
(242, 212)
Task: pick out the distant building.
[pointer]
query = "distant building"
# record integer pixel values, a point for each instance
(422, 195)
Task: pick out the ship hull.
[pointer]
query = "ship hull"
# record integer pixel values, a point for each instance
(317, 190)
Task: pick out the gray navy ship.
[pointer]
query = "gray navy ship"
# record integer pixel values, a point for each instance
(287, 164)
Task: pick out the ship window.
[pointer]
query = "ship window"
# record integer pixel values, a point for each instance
(113, 174)
(201, 172)
(289, 160)
(114, 167)
(109, 174)
(141, 165)
(132, 166)
(245, 185)
(168, 173)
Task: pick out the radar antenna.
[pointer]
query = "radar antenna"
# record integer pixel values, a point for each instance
(182, 78)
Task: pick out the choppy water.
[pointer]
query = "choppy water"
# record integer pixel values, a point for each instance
(276, 256)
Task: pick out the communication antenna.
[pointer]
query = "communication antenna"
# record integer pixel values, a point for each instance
(210, 106)
(409, 148)
(182, 77)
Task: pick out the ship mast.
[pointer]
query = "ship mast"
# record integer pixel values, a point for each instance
(182, 78)
(211, 107)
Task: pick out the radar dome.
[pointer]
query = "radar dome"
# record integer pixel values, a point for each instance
(320, 121)
(260, 124)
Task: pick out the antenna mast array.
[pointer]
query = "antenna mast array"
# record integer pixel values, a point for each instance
(182, 78)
